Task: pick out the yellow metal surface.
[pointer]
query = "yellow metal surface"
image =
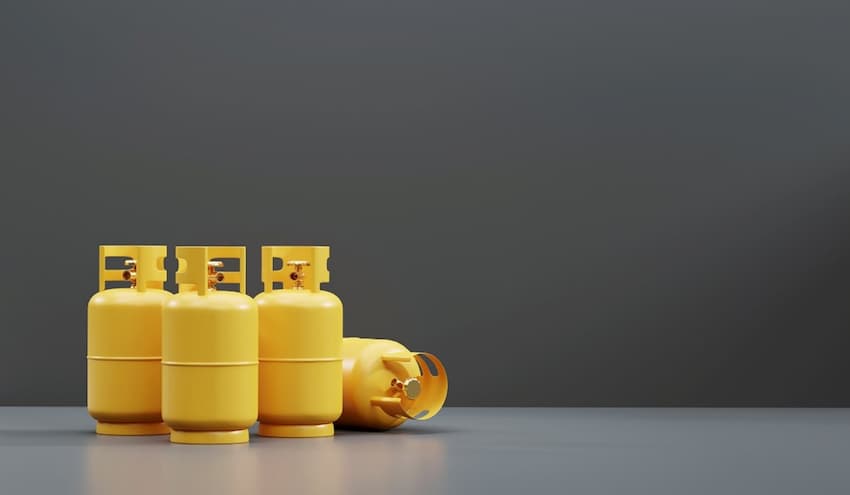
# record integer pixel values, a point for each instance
(296, 431)
(132, 429)
(385, 384)
(210, 437)
(209, 351)
(300, 391)
(125, 342)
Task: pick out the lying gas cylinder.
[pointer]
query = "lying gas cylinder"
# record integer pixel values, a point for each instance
(300, 345)
(125, 342)
(384, 384)
(209, 350)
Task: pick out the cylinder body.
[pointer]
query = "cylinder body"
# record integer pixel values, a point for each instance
(300, 362)
(124, 352)
(365, 376)
(209, 367)
(384, 384)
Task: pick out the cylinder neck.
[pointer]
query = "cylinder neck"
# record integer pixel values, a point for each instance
(303, 268)
(130, 272)
(198, 268)
(414, 397)
(297, 275)
(144, 266)
(213, 276)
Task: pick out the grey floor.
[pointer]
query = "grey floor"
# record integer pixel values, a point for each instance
(461, 451)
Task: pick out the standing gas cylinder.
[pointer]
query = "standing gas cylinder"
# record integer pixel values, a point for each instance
(300, 344)
(125, 342)
(385, 384)
(209, 350)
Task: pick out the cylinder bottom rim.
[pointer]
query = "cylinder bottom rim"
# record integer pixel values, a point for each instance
(131, 429)
(209, 437)
(296, 431)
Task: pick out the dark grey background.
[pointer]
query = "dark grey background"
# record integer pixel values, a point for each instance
(572, 203)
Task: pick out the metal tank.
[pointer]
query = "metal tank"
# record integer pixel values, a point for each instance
(385, 384)
(300, 344)
(209, 350)
(125, 342)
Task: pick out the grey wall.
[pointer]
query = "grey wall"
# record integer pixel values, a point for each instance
(572, 203)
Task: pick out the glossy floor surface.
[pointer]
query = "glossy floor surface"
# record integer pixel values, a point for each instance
(460, 451)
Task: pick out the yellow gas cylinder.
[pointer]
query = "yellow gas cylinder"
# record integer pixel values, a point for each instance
(125, 342)
(209, 350)
(300, 344)
(385, 384)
